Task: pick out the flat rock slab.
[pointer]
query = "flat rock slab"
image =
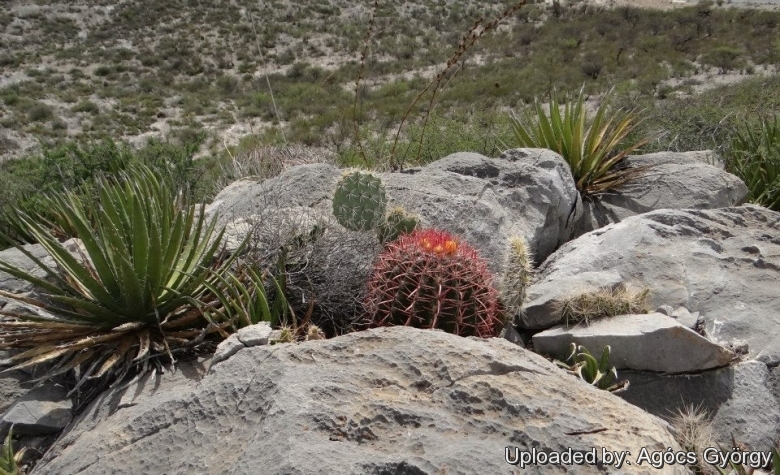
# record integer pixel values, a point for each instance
(724, 264)
(391, 400)
(649, 342)
(743, 400)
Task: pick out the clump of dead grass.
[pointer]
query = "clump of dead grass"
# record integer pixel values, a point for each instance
(602, 303)
(267, 161)
(692, 428)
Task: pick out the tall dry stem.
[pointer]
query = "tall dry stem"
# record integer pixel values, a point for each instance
(475, 33)
(363, 56)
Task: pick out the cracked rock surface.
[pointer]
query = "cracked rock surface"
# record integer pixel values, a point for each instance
(723, 263)
(389, 400)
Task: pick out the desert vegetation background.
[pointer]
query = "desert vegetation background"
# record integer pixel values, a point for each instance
(86, 86)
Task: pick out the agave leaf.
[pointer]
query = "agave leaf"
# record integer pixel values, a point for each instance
(119, 353)
(604, 363)
(591, 365)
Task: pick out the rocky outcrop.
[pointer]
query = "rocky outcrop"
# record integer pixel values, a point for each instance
(742, 400)
(671, 180)
(525, 192)
(44, 410)
(724, 264)
(392, 400)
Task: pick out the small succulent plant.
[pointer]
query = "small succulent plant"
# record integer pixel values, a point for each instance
(592, 371)
(397, 222)
(430, 279)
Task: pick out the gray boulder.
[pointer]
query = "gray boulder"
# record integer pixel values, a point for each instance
(650, 342)
(674, 180)
(44, 410)
(390, 400)
(724, 264)
(526, 192)
(743, 400)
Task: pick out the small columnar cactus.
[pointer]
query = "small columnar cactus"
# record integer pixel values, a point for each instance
(397, 222)
(430, 279)
(359, 202)
(517, 275)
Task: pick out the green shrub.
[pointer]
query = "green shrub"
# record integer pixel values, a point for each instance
(86, 106)
(593, 148)
(103, 71)
(754, 156)
(40, 112)
(724, 58)
(77, 167)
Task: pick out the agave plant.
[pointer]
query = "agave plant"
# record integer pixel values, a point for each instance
(593, 148)
(754, 156)
(9, 461)
(126, 294)
(593, 371)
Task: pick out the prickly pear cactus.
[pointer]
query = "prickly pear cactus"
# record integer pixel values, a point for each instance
(430, 279)
(359, 202)
(397, 222)
(516, 276)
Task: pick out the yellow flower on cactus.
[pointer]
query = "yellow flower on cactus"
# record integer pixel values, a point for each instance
(450, 247)
(440, 246)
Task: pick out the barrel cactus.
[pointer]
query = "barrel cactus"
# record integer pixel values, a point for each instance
(359, 202)
(430, 279)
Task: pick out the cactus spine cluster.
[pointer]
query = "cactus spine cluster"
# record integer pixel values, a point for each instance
(430, 279)
(359, 205)
(516, 276)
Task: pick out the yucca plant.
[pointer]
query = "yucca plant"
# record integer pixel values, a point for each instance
(126, 294)
(754, 156)
(593, 148)
(240, 297)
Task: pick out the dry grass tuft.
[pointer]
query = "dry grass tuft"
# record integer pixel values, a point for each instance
(692, 427)
(605, 302)
(268, 161)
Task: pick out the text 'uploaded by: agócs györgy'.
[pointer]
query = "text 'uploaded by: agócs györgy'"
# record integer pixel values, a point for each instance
(653, 458)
